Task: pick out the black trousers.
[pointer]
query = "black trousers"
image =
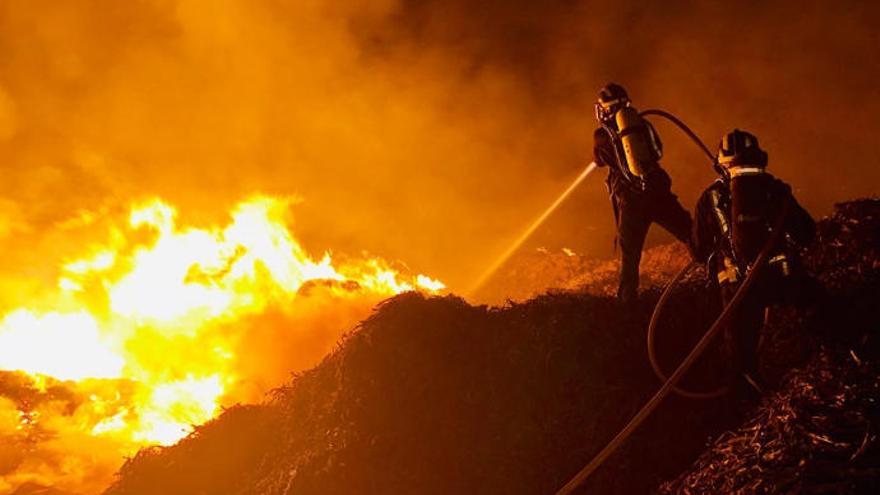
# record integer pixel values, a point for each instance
(742, 335)
(636, 211)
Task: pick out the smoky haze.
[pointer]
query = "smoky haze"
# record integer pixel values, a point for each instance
(427, 131)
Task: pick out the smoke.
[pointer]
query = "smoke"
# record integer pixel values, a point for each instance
(800, 77)
(422, 130)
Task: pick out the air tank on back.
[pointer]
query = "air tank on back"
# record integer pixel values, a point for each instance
(639, 143)
(748, 211)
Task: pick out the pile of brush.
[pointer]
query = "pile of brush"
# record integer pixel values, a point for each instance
(818, 434)
(434, 396)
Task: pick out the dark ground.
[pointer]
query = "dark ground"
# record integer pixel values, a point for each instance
(434, 396)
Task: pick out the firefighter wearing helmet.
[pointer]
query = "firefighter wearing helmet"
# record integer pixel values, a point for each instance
(640, 189)
(732, 223)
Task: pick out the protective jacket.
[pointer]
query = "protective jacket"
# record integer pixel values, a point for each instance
(607, 153)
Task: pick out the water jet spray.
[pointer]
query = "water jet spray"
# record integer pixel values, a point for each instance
(499, 262)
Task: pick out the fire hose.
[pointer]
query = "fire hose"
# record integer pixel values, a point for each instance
(670, 383)
(681, 125)
(667, 292)
(652, 332)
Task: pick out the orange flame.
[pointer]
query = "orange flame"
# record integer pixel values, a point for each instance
(138, 319)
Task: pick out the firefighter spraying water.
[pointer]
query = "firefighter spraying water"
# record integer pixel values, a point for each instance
(640, 190)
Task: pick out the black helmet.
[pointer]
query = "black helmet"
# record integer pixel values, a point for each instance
(740, 148)
(612, 98)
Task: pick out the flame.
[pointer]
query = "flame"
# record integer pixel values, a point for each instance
(145, 322)
(44, 343)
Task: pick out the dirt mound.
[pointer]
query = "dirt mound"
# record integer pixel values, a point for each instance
(434, 396)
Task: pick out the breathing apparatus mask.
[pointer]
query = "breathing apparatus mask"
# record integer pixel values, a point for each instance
(611, 99)
(634, 138)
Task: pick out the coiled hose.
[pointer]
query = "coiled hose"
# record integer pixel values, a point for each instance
(667, 292)
(652, 332)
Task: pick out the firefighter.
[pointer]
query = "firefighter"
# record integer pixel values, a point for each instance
(732, 223)
(640, 189)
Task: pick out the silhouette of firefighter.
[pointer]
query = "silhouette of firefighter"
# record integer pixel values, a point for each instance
(732, 223)
(640, 190)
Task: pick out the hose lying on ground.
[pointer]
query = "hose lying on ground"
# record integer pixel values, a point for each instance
(652, 332)
(669, 384)
(667, 292)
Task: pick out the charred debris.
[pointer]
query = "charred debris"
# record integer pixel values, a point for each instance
(435, 396)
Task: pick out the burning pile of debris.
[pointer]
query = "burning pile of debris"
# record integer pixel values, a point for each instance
(434, 396)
